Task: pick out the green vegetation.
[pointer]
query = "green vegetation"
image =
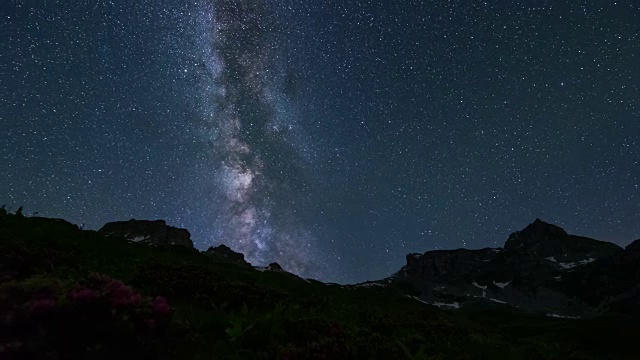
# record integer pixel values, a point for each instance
(71, 293)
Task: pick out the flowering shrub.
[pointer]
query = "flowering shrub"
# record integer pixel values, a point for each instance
(100, 316)
(160, 305)
(114, 291)
(83, 294)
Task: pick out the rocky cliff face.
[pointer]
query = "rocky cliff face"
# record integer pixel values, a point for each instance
(540, 269)
(224, 253)
(155, 232)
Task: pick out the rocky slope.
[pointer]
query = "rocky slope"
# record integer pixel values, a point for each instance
(540, 269)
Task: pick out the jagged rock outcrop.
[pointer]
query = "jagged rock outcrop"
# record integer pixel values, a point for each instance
(542, 268)
(224, 253)
(153, 232)
(274, 266)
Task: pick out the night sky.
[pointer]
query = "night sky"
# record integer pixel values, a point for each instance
(333, 137)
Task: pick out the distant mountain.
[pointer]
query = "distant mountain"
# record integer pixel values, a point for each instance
(541, 269)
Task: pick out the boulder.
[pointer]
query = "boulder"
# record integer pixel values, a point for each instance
(224, 253)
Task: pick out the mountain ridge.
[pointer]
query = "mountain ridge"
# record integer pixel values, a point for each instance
(537, 270)
(170, 302)
(540, 269)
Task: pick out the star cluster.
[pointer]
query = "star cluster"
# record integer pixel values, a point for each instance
(332, 137)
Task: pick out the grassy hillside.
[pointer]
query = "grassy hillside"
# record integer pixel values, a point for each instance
(71, 293)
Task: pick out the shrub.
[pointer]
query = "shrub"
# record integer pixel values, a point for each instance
(99, 317)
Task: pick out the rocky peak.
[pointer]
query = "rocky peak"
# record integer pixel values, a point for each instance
(274, 266)
(154, 232)
(544, 240)
(223, 252)
(535, 233)
(634, 246)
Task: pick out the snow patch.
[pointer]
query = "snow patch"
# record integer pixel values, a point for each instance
(139, 238)
(418, 299)
(501, 285)
(587, 261)
(562, 316)
(497, 301)
(484, 288)
(557, 277)
(571, 265)
(369, 284)
(454, 305)
(567, 265)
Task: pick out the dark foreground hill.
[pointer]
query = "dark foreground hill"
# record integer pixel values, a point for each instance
(67, 293)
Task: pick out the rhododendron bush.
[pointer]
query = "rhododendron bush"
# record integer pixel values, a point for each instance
(98, 316)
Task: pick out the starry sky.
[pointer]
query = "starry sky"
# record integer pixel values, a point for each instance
(333, 137)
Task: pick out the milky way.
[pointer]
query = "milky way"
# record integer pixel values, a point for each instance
(257, 169)
(333, 137)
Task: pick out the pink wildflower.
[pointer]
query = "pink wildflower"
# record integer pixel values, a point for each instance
(117, 284)
(125, 296)
(84, 294)
(43, 305)
(160, 305)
